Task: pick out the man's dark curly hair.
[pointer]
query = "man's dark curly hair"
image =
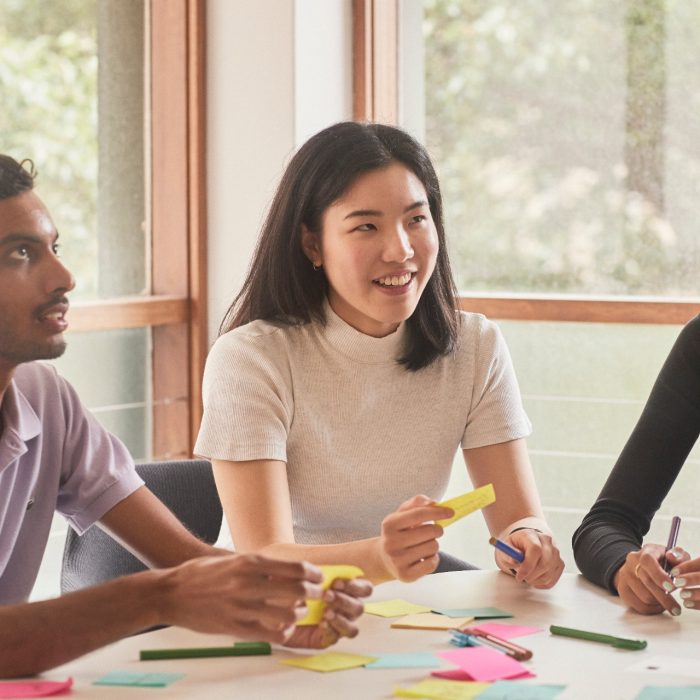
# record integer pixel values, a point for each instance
(15, 177)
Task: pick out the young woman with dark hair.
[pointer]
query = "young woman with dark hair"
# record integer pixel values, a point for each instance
(344, 380)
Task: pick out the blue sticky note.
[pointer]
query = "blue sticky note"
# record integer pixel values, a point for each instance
(520, 690)
(418, 659)
(669, 692)
(137, 679)
(476, 613)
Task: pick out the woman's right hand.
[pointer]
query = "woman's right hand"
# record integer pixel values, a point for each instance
(642, 583)
(408, 544)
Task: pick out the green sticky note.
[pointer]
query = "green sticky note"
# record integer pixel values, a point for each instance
(136, 679)
(476, 613)
(669, 692)
(394, 608)
(517, 690)
(329, 661)
(416, 659)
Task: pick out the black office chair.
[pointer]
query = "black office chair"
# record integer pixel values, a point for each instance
(449, 562)
(187, 487)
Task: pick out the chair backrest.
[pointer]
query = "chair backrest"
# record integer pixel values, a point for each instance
(186, 487)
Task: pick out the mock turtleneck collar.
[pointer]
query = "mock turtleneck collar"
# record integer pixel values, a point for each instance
(359, 346)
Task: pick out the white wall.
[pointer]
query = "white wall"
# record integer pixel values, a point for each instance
(277, 72)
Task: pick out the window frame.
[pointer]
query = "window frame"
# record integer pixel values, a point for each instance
(176, 308)
(376, 99)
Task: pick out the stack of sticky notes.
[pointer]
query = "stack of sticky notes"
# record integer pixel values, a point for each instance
(431, 621)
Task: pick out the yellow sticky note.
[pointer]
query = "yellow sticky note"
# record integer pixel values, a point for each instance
(431, 621)
(331, 572)
(330, 661)
(467, 503)
(441, 689)
(394, 608)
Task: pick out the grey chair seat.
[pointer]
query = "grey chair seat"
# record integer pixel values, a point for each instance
(186, 487)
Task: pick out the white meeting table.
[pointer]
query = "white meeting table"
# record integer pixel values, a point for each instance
(588, 669)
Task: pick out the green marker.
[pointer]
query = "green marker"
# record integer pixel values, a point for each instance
(238, 649)
(617, 642)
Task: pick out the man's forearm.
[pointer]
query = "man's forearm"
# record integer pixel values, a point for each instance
(38, 636)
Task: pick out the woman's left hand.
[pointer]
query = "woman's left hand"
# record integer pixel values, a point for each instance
(342, 609)
(542, 565)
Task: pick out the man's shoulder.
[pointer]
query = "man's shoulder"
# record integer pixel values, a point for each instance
(44, 388)
(37, 378)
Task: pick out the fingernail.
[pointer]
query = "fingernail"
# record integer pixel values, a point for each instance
(667, 586)
(680, 582)
(675, 553)
(689, 604)
(686, 594)
(676, 611)
(674, 571)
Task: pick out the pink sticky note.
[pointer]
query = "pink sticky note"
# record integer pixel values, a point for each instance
(484, 664)
(504, 631)
(456, 674)
(34, 689)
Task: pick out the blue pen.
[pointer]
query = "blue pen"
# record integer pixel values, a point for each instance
(507, 549)
(459, 639)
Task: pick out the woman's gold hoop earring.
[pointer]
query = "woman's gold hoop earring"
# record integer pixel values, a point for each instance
(315, 266)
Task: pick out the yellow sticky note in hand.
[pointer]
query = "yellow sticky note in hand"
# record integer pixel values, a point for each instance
(330, 661)
(467, 503)
(331, 572)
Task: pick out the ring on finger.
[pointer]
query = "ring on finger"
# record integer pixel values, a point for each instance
(636, 569)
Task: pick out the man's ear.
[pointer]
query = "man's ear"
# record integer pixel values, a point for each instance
(310, 244)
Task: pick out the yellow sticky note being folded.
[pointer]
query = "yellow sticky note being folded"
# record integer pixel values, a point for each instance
(329, 661)
(439, 689)
(331, 572)
(394, 608)
(467, 503)
(431, 621)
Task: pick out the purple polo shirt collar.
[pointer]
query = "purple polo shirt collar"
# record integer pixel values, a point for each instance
(21, 424)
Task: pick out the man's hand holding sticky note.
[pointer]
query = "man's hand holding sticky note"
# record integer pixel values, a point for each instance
(467, 503)
(331, 572)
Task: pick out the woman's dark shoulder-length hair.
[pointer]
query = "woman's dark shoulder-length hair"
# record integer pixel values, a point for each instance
(281, 284)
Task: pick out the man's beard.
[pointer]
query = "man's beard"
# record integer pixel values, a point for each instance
(16, 352)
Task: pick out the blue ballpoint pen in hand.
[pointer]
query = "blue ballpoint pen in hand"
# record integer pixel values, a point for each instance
(507, 549)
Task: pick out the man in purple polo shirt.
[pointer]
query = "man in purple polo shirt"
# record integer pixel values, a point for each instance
(54, 456)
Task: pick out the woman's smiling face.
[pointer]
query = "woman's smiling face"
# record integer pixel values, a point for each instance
(378, 246)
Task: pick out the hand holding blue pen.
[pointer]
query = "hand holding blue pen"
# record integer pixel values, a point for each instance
(507, 549)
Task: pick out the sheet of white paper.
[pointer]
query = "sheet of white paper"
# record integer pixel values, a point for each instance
(667, 665)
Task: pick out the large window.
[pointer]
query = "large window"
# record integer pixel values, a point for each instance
(565, 142)
(105, 96)
(568, 153)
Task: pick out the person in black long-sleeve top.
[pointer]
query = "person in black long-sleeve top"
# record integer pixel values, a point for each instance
(608, 543)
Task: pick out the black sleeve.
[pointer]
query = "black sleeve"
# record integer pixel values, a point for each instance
(647, 466)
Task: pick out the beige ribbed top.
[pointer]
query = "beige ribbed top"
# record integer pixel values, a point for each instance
(359, 433)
